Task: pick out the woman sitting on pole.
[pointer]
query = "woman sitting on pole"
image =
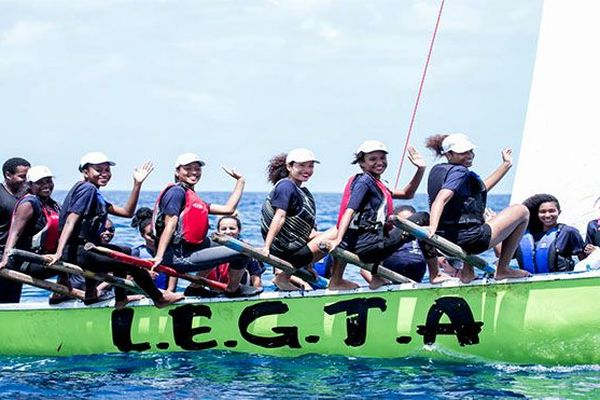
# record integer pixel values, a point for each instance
(458, 197)
(363, 226)
(181, 224)
(34, 227)
(82, 218)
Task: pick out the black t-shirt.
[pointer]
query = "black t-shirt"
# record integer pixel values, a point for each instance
(7, 204)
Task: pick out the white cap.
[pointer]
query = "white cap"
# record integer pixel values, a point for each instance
(95, 157)
(458, 143)
(369, 146)
(188, 158)
(38, 172)
(300, 155)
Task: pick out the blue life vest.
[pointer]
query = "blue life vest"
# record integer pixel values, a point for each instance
(543, 256)
(462, 210)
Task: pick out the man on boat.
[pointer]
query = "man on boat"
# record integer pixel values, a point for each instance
(14, 186)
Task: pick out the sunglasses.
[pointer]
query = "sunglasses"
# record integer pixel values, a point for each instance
(110, 229)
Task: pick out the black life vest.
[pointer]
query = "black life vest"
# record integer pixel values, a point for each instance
(90, 225)
(462, 210)
(296, 230)
(192, 224)
(368, 218)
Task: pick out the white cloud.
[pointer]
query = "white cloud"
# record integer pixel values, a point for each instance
(212, 107)
(321, 29)
(26, 33)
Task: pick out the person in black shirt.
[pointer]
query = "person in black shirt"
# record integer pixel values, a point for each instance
(14, 186)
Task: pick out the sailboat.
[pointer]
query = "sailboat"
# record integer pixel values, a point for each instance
(545, 319)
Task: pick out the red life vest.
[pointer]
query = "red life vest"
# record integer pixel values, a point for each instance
(220, 273)
(192, 225)
(46, 239)
(50, 238)
(385, 192)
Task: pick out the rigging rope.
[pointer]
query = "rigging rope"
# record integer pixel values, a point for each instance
(414, 113)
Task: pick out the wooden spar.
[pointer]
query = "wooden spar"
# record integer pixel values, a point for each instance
(253, 252)
(76, 270)
(40, 283)
(442, 244)
(138, 262)
(354, 259)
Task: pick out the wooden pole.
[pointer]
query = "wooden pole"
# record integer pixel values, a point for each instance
(76, 270)
(444, 245)
(253, 252)
(354, 259)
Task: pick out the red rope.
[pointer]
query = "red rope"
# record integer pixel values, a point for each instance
(414, 113)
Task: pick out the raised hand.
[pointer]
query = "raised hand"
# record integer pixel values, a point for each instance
(232, 172)
(141, 173)
(507, 156)
(416, 158)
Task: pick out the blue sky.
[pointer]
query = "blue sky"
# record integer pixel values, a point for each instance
(239, 81)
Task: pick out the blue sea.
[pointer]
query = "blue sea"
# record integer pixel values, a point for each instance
(220, 374)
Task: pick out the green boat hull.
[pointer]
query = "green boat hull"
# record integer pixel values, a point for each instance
(541, 320)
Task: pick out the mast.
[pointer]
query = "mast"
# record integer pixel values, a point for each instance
(560, 148)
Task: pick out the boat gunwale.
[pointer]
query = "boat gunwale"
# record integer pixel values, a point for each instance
(550, 277)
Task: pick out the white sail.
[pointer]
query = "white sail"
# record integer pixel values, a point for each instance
(560, 149)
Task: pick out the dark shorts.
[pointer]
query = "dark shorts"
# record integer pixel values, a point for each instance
(300, 258)
(412, 270)
(475, 240)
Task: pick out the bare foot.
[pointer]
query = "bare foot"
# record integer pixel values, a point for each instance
(466, 275)
(168, 298)
(283, 283)
(511, 273)
(132, 297)
(377, 282)
(342, 285)
(441, 277)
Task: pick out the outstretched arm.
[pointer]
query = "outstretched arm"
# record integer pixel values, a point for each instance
(408, 192)
(499, 173)
(139, 176)
(234, 198)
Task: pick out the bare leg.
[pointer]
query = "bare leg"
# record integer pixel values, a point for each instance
(435, 276)
(235, 276)
(284, 283)
(508, 228)
(313, 244)
(337, 281)
(466, 274)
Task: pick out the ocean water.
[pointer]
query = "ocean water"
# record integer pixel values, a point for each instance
(220, 374)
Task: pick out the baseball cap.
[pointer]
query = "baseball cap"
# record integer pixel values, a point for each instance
(188, 158)
(94, 157)
(458, 143)
(369, 146)
(38, 172)
(300, 155)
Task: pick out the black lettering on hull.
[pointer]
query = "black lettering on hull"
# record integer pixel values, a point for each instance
(462, 324)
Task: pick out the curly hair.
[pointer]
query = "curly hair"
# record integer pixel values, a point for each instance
(434, 143)
(142, 218)
(533, 204)
(277, 168)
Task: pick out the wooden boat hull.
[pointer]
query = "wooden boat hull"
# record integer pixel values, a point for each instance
(551, 319)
